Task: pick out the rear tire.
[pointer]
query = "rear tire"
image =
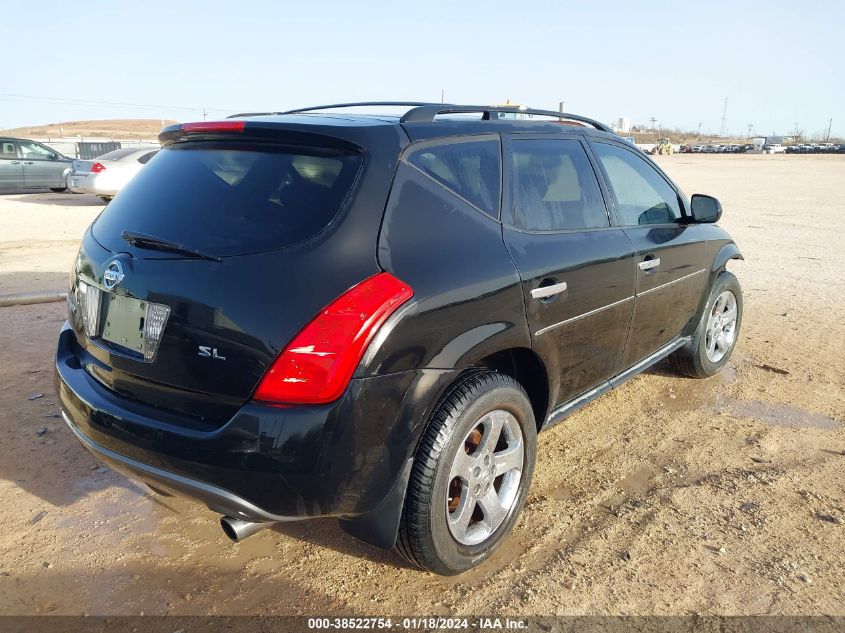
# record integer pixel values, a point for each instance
(716, 335)
(58, 189)
(105, 199)
(471, 474)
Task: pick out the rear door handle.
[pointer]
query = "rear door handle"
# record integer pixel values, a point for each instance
(29, 162)
(16, 162)
(544, 292)
(648, 264)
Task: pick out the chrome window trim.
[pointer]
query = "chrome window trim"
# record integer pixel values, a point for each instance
(581, 316)
(615, 303)
(669, 283)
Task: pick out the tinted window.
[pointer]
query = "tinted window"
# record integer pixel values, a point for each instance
(7, 150)
(470, 169)
(555, 187)
(228, 200)
(643, 195)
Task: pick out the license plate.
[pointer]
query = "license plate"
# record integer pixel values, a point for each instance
(123, 322)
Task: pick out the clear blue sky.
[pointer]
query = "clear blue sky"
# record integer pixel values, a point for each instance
(777, 62)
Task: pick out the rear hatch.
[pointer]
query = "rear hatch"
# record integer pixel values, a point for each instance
(233, 244)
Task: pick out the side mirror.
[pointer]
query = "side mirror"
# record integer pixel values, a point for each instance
(705, 209)
(54, 157)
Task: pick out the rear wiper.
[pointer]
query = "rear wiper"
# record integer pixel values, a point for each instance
(153, 243)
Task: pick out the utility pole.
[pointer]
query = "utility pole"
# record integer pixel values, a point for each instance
(699, 128)
(652, 119)
(724, 117)
(442, 95)
(204, 114)
(829, 125)
(750, 127)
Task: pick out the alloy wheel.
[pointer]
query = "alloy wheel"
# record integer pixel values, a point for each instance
(484, 478)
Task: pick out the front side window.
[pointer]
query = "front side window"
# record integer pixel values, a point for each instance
(469, 169)
(555, 188)
(642, 194)
(35, 151)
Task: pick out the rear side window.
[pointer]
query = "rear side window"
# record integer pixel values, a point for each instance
(555, 188)
(117, 154)
(470, 169)
(145, 158)
(225, 199)
(643, 195)
(7, 150)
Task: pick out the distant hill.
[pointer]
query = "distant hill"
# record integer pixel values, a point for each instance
(108, 128)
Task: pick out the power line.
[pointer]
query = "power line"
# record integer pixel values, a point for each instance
(73, 101)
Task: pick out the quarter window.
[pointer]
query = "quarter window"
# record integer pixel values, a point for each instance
(7, 150)
(471, 169)
(643, 195)
(555, 187)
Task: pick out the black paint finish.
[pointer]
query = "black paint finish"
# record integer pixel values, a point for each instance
(472, 277)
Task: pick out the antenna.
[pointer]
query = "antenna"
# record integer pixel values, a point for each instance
(724, 117)
(829, 125)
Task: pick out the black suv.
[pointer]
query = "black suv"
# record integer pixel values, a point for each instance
(369, 317)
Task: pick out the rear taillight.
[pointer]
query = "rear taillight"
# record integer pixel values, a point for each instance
(317, 365)
(213, 127)
(96, 168)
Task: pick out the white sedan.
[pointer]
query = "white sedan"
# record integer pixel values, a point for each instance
(106, 175)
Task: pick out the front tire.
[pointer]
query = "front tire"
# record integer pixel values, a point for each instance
(471, 474)
(718, 330)
(58, 189)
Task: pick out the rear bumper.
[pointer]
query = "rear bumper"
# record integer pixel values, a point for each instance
(216, 498)
(90, 183)
(266, 463)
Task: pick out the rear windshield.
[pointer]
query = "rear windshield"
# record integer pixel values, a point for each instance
(230, 200)
(117, 154)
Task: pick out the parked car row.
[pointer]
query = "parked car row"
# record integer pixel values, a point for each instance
(26, 164)
(715, 149)
(816, 148)
(806, 148)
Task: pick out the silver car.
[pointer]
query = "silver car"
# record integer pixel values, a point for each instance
(26, 164)
(106, 175)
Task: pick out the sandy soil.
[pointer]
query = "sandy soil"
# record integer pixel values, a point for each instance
(667, 496)
(120, 128)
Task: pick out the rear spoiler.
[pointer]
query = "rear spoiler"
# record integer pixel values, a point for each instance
(255, 132)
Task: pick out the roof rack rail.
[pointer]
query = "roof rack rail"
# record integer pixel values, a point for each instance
(427, 113)
(332, 106)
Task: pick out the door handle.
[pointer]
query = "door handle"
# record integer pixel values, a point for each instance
(29, 162)
(544, 292)
(649, 264)
(16, 162)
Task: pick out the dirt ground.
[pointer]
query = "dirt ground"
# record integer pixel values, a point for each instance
(666, 496)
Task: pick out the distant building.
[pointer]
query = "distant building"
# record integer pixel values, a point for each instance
(624, 125)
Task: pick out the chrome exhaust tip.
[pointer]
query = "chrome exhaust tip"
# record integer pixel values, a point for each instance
(238, 529)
